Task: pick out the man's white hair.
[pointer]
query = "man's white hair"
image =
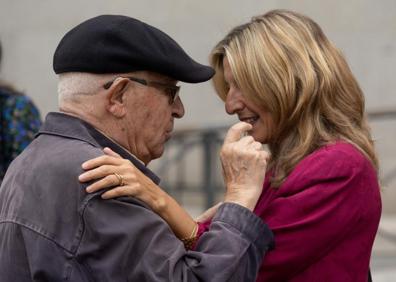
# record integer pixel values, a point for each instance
(73, 85)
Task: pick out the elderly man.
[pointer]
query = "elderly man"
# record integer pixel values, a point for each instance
(117, 89)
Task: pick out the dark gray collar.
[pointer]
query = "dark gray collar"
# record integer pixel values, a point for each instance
(67, 126)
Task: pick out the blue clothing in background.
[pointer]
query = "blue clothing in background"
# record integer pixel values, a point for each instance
(19, 122)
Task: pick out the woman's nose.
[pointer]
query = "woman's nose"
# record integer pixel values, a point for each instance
(234, 101)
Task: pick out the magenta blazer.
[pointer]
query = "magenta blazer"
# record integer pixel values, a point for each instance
(324, 218)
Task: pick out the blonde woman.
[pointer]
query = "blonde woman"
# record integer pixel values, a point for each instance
(320, 197)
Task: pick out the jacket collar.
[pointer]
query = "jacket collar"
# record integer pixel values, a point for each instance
(68, 126)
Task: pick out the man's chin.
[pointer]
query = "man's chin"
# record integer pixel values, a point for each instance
(158, 153)
(168, 136)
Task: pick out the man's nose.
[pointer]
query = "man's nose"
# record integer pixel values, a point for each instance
(178, 108)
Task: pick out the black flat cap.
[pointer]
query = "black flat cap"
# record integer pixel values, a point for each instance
(120, 44)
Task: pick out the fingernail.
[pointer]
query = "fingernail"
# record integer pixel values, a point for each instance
(81, 177)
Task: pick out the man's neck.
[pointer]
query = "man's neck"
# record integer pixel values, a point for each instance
(111, 129)
(121, 146)
(97, 115)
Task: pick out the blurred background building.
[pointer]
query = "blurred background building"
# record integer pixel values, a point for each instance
(365, 30)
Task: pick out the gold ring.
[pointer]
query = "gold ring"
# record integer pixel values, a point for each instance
(120, 179)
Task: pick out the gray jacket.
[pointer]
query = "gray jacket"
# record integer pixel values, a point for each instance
(52, 230)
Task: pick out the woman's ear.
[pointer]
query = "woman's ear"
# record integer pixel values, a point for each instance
(116, 97)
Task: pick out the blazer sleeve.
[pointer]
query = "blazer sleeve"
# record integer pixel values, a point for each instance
(122, 239)
(321, 202)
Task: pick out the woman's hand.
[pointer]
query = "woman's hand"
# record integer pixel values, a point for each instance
(209, 213)
(244, 164)
(111, 170)
(105, 168)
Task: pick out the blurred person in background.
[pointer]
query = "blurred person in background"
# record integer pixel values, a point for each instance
(19, 122)
(321, 195)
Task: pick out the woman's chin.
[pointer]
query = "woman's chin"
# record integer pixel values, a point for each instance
(259, 137)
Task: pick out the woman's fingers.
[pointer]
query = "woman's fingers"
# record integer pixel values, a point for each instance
(106, 182)
(208, 214)
(102, 160)
(119, 191)
(97, 172)
(112, 171)
(110, 152)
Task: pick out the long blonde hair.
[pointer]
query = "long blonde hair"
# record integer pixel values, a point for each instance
(283, 62)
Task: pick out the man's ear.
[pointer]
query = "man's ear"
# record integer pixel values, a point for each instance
(116, 98)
